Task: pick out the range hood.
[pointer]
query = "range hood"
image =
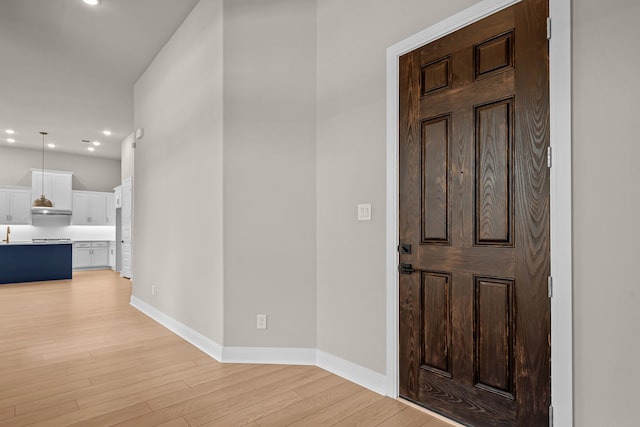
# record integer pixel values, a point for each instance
(50, 211)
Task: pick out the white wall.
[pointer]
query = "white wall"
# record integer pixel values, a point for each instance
(606, 202)
(269, 172)
(352, 41)
(127, 163)
(89, 173)
(178, 176)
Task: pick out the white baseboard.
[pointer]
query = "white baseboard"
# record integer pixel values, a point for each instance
(210, 347)
(360, 375)
(102, 267)
(269, 355)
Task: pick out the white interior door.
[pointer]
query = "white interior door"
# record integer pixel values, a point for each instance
(126, 239)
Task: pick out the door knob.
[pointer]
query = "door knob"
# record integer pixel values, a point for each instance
(406, 269)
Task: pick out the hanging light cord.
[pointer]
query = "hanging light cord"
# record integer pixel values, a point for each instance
(43, 134)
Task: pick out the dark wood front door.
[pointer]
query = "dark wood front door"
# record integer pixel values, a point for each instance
(474, 221)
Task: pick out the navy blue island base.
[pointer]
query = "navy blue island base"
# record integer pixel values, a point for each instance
(33, 262)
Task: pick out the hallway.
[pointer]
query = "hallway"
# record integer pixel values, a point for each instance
(76, 353)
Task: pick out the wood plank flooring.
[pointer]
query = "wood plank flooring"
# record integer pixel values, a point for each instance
(76, 353)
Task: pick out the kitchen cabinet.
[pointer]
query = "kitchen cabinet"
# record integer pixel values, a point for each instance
(82, 255)
(15, 205)
(57, 188)
(100, 254)
(111, 209)
(34, 262)
(90, 254)
(92, 208)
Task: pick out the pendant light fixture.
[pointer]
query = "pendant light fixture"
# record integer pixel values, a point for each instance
(42, 202)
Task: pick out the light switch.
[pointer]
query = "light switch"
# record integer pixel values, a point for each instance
(261, 322)
(364, 212)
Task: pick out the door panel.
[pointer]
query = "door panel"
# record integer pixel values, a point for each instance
(493, 335)
(493, 173)
(20, 202)
(436, 321)
(474, 205)
(126, 228)
(435, 181)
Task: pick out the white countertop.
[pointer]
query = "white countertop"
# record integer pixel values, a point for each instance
(28, 242)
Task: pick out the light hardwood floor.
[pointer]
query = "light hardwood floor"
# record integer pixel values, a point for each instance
(76, 353)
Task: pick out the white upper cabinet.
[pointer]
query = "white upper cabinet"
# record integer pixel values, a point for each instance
(15, 206)
(92, 208)
(57, 188)
(111, 209)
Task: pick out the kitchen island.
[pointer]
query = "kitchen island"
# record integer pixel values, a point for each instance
(34, 262)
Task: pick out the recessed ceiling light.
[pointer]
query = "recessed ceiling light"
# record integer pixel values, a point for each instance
(106, 132)
(92, 2)
(51, 145)
(96, 143)
(91, 149)
(11, 140)
(10, 131)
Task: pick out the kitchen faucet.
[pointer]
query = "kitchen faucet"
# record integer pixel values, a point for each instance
(8, 232)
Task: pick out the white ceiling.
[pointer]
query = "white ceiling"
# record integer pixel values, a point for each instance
(69, 69)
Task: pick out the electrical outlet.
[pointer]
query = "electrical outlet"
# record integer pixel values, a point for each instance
(153, 290)
(261, 321)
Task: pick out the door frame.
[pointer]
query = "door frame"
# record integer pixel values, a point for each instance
(560, 196)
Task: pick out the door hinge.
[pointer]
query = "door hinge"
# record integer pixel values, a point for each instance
(550, 287)
(549, 157)
(548, 28)
(550, 416)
